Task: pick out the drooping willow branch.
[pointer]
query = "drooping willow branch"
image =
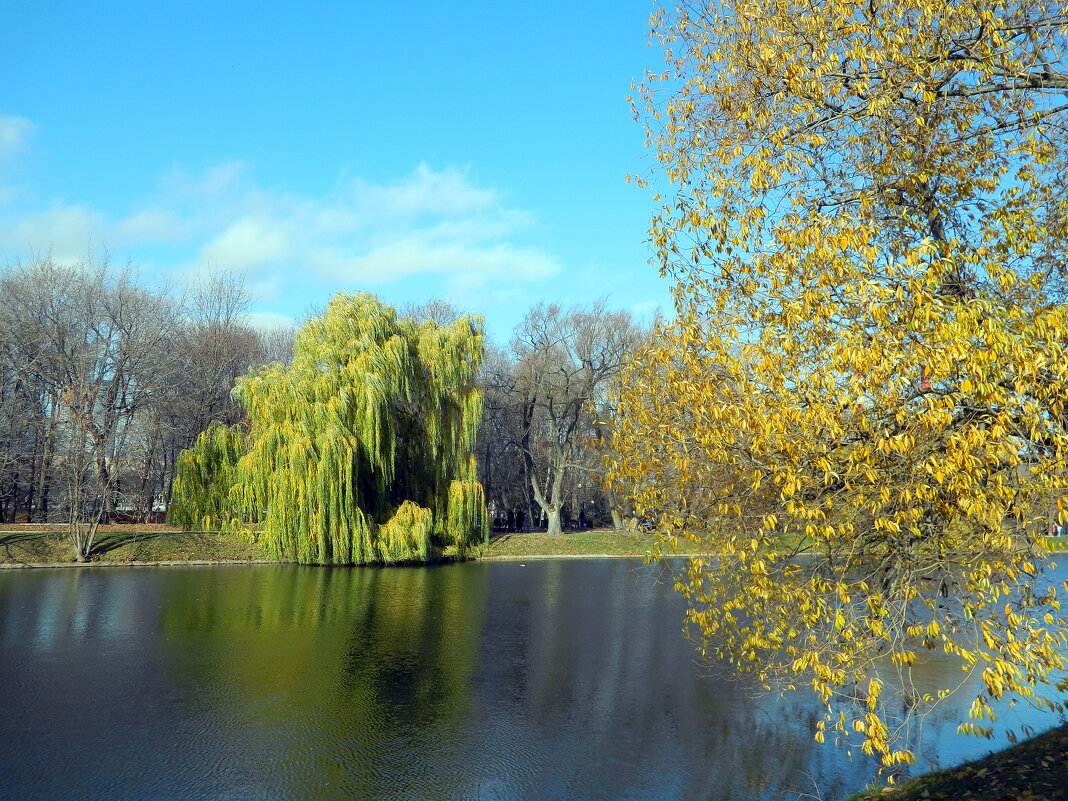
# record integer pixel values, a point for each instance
(359, 451)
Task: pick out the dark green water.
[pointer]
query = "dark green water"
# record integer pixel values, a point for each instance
(553, 680)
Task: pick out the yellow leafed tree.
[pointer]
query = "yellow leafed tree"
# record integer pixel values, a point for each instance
(863, 210)
(359, 451)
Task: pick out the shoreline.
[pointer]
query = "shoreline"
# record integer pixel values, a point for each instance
(139, 563)
(231, 562)
(27, 547)
(158, 545)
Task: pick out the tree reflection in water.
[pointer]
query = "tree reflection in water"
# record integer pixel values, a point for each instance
(553, 680)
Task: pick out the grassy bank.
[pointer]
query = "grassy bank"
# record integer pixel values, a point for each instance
(160, 543)
(602, 542)
(1057, 544)
(1035, 770)
(125, 543)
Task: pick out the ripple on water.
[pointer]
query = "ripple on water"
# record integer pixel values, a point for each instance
(554, 680)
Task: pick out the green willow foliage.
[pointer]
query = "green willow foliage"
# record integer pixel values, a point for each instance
(206, 472)
(359, 451)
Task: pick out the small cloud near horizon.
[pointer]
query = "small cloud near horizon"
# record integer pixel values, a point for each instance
(14, 135)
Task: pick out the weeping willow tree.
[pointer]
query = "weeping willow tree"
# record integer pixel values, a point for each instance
(359, 451)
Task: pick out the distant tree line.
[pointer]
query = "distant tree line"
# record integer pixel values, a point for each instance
(104, 381)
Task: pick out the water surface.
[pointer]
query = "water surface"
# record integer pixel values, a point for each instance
(549, 680)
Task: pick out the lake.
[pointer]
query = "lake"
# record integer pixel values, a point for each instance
(555, 679)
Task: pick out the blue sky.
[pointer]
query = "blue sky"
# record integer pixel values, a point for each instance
(474, 151)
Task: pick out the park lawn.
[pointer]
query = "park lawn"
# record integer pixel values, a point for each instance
(127, 543)
(600, 542)
(1034, 770)
(131, 542)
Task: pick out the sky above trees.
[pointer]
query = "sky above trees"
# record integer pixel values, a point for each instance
(475, 151)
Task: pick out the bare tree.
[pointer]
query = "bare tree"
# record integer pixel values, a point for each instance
(436, 310)
(103, 382)
(17, 437)
(501, 466)
(94, 344)
(564, 363)
(277, 343)
(212, 347)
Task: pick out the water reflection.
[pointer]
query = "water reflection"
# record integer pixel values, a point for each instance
(553, 680)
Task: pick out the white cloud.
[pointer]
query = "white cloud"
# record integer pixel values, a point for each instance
(68, 231)
(447, 193)
(428, 223)
(437, 224)
(248, 243)
(152, 225)
(209, 185)
(65, 232)
(459, 261)
(14, 132)
(14, 136)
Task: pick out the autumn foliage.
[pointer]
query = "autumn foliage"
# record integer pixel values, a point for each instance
(860, 408)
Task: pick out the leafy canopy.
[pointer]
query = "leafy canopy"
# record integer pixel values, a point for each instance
(863, 211)
(359, 451)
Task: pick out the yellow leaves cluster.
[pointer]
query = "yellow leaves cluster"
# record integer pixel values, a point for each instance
(861, 407)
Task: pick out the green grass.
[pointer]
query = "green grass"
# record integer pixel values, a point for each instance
(159, 543)
(579, 543)
(156, 543)
(1035, 770)
(128, 543)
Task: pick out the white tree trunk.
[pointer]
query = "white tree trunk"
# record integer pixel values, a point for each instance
(553, 514)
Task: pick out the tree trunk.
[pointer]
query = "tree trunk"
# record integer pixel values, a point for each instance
(43, 478)
(12, 503)
(31, 485)
(553, 506)
(617, 520)
(487, 471)
(105, 496)
(553, 515)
